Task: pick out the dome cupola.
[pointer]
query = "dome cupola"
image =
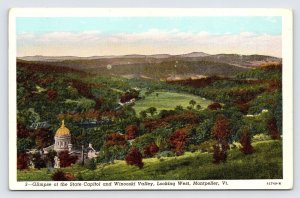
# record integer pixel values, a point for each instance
(63, 130)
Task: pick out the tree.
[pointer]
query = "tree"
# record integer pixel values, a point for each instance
(198, 107)
(38, 161)
(143, 114)
(109, 154)
(192, 103)
(23, 144)
(134, 157)
(179, 108)
(115, 139)
(66, 159)
(150, 150)
(52, 94)
(131, 132)
(151, 110)
(272, 129)
(245, 141)
(214, 106)
(22, 132)
(221, 132)
(43, 138)
(22, 161)
(177, 140)
(220, 154)
(221, 129)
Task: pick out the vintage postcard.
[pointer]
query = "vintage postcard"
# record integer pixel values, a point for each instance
(150, 99)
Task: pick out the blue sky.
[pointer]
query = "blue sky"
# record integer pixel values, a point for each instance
(77, 36)
(214, 25)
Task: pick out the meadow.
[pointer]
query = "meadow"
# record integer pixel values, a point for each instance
(165, 100)
(190, 166)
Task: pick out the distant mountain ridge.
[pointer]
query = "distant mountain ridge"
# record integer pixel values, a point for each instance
(234, 59)
(61, 58)
(159, 66)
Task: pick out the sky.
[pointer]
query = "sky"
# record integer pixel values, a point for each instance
(78, 36)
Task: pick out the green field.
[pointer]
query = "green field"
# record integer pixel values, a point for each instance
(163, 100)
(264, 163)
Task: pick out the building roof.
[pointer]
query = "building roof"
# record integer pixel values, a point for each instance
(62, 131)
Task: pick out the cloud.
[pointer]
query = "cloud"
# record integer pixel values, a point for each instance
(150, 42)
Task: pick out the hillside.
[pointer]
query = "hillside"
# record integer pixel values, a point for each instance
(191, 166)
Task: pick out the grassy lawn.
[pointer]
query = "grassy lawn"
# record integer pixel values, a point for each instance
(163, 100)
(264, 163)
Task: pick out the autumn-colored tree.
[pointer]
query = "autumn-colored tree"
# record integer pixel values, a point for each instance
(43, 138)
(115, 139)
(22, 132)
(22, 161)
(221, 129)
(214, 106)
(245, 141)
(131, 132)
(150, 150)
(52, 94)
(134, 157)
(178, 139)
(221, 132)
(272, 129)
(66, 159)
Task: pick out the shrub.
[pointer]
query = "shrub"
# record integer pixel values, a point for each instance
(61, 176)
(134, 157)
(150, 150)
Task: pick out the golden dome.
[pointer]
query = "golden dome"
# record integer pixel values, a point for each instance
(62, 131)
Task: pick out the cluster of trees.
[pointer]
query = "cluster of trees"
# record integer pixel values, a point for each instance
(38, 160)
(130, 94)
